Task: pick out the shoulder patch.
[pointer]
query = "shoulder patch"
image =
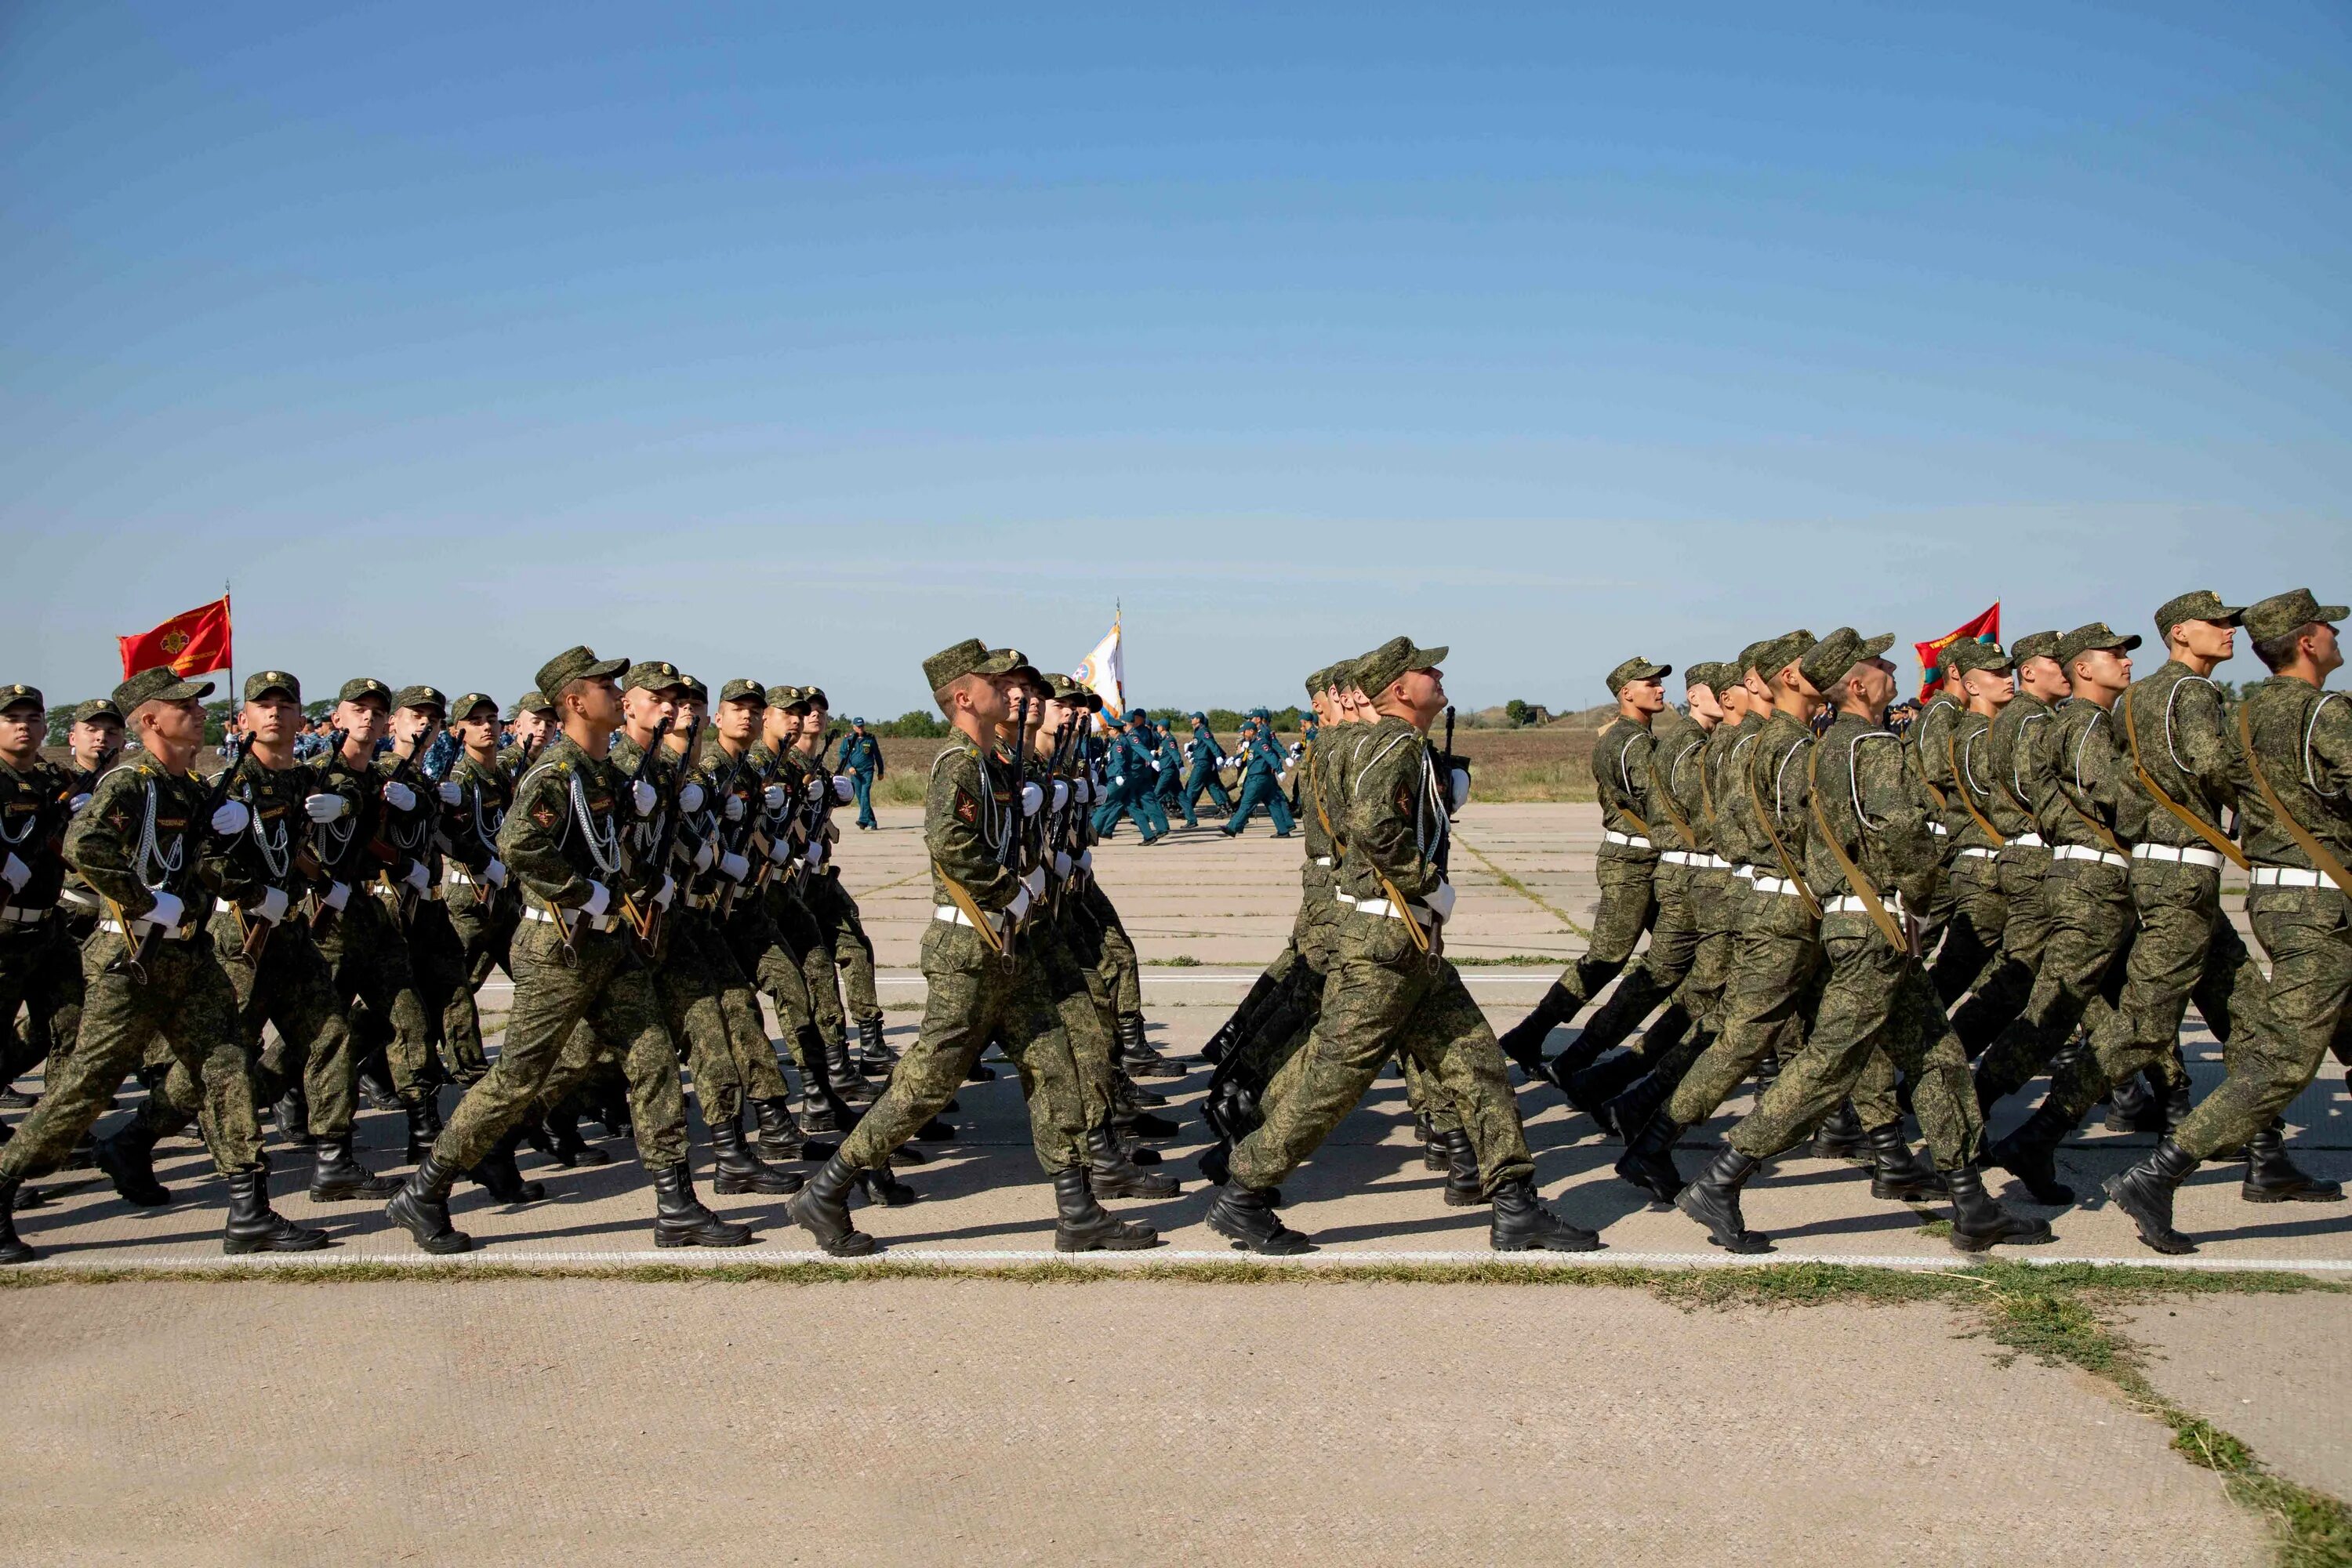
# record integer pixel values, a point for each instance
(967, 809)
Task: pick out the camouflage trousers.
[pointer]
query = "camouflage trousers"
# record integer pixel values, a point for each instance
(690, 981)
(290, 988)
(1768, 996)
(189, 1003)
(487, 930)
(1934, 916)
(973, 994)
(2081, 974)
(1628, 904)
(1081, 1002)
(2307, 931)
(1972, 929)
(1693, 1015)
(760, 953)
(801, 936)
(362, 946)
(849, 951)
(1114, 952)
(1877, 1003)
(445, 984)
(1673, 948)
(2001, 989)
(1384, 995)
(40, 971)
(601, 981)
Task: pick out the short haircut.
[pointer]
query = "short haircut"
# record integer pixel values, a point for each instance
(945, 695)
(2284, 649)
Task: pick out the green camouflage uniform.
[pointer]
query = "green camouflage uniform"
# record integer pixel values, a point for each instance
(2000, 992)
(748, 919)
(40, 967)
(1977, 910)
(1926, 741)
(361, 942)
(1626, 865)
(1671, 747)
(483, 916)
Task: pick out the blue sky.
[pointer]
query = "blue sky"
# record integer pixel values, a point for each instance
(799, 345)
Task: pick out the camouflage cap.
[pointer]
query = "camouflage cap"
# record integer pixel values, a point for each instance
(695, 691)
(652, 675)
(579, 663)
(1713, 674)
(2033, 646)
(818, 699)
(1318, 682)
(1377, 669)
(2200, 604)
(742, 689)
(532, 701)
(1948, 658)
(258, 687)
(1970, 655)
(2280, 613)
(360, 687)
(1636, 669)
(972, 656)
(161, 684)
(1750, 656)
(1784, 651)
(422, 697)
(16, 694)
(786, 697)
(1066, 689)
(98, 708)
(473, 702)
(1827, 661)
(2090, 638)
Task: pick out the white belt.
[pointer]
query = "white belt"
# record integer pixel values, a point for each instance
(2285, 877)
(2028, 841)
(1388, 910)
(14, 916)
(1781, 885)
(455, 873)
(1852, 904)
(1676, 856)
(1635, 839)
(593, 922)
(1324, 861)
(1709, 862)
(2186, 855)
(1938, 828)
(140, 928)
(395, 891)
(1744, 873)
(2085, 852)
(948, 914)
(1969, 851)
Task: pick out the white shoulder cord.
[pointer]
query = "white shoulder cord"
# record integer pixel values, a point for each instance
(1853, 777)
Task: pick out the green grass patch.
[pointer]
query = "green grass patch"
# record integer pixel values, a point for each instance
(1181, 961)
(1510, 960)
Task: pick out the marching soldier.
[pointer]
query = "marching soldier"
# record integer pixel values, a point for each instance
(1260, 785)
(531, 723)
(1978, 673)
(861, 759)
(40, 966)
(1131, 778)
(1204, 757)
(841, 931)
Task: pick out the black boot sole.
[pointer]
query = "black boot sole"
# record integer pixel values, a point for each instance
(1905, 1192)
(1091, 1241)
(1150, 1188)
(782, 1185)
(1724, 1227)
(1965, 1241)
(154, 1195)
(1456, 1198)
(1575, 1241)
(1289, 1244)
(849, 1242)
(439, 1243)
(2154, 1233)
(376, 1188)
(2327, 1193)
(2047, 1190)
(703, 1235)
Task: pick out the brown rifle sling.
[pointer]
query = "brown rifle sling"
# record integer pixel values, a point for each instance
(1787, 865)
(971, 908)
(2203, 829)
(2294, 830)
(1666, 796)
(1853, 877)
(1968, 795)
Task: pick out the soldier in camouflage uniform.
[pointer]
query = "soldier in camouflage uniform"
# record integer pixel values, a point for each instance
(1869, 858)
(1976, 911)
(1626, 865)
(981, 979)
(1391, 987)
(575, 959)
(841, 931)
(2296, 737)
(1929, 738)
(148, 970)
(800, 828)
(531, 723)
(40, 968)
(475, 792)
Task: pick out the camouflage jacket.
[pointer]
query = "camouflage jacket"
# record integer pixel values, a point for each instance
(2019, 731)
(670, 773)
(1776, 778)
(1327, 773)
(1864, 783)
(1970, 742)
(2189, 746)
(469, 829)
(1731, 819)
(409, 835)
(1621, 778)
(2303, 741)
(138, 833)
(355, 847)
(1396, 825)
(274, 849)
(1677, 745)
(1937, 722)
(2078, 777)
(970, 806)
(33, 808)
(564, 831)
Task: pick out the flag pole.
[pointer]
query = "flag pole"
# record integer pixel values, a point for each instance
(229, 615)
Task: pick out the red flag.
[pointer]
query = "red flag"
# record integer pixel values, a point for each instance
(1985, 627)
(192, 642)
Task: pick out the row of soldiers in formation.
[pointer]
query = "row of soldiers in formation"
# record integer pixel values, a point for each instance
(2045, 849)
(1146, 774)
(644, 866)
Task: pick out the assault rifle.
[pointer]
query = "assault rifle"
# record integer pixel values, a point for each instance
(664, 846)
(183, 885)
(338, 867)
(405, 896)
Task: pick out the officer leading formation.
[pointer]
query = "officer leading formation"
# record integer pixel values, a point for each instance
(2025, 883)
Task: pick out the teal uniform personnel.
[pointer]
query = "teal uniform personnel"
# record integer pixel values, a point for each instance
(1261, 782)
(861, 759)
(1201, 773)
(1128, 775)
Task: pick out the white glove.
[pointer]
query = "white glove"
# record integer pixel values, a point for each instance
(1118, 778)
(704, 856)
(773, 798)
(418, 876)
(399, 796)
(168, 909)
(16, 873)
(1156, 767)
(325, 806)
(816, 855)
(734, 812)
(1020, 904)
(1036, 881)
(816, 788)
(272, 907)
(231, 817)
(641, 795)
(733, 867)
(79, 801)
(1061, 863)
(668, 893)
(600, 899)
(1060, 793)
(1440, 901)
(779, 851)
(1086, 859)
(842, 791)
(1460, 782)
(495, 873)
(337, 895)
(691, 798)
(451, 792)
(1032, 798)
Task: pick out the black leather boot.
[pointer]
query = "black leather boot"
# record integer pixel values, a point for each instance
(1111, 1174)
(1523, 1042)
(337, 1176)
(2145, 1193)
(1992, 1087)
(570, 1150)
(2132, 1107)
(1591, 1089)
(1648, 1161)
(885, 1189)
(1143, 1124)
(420, 1128)
(737, 1170)
(779, 1135)
(1841, 1135)
(1245, 1216)
(127, 1155)
(934, 1131)
(842, 1069)
(497, 1175)
(1768, 1067)
(1432, 1147)
(1713, 1201)
(822, 1208)
(13, 1249)
(874, 1052)
(375, 1084)
(1464, 1190)
(1629, 1112)
(2176, 1104)
(422, 1207)
(1895, 1172)
(292, 1111)
(2272, 1177)
(255, 1226)
(2030, 1154)
(1082, 1225)
(679, 1218)
(1521, 1223)
(1137, 1055)
(1979, 1221)
(821, 1107)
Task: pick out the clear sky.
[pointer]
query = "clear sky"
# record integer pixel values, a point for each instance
(801, 345)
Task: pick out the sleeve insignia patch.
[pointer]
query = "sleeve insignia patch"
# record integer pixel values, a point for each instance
(967, 809)
(544, 813)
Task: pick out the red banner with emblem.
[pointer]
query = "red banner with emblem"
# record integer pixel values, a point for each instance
(1985, 627)
(193, 642)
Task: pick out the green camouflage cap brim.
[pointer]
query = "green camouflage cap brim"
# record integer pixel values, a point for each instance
(161, 684)
(98, 708)
(2200, 604)
(1749, 656)
(1948, 658)
(1062, 689)
(1969, 656)
(1378, 669)
(652, 675)
(471, 704)
(258, 687)
(972, 656)
(695, 691)
(1636, 669)
(1319, 683)
(2091, 638)
(1827, 661)
(422, 697)
(578, 663)
(2033, 646)
(1784, 651)
(16, 694)
(1713, 674)
(786, 697)
(741, 689)
(531, 702)
(359, 688)
(2282, 614)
